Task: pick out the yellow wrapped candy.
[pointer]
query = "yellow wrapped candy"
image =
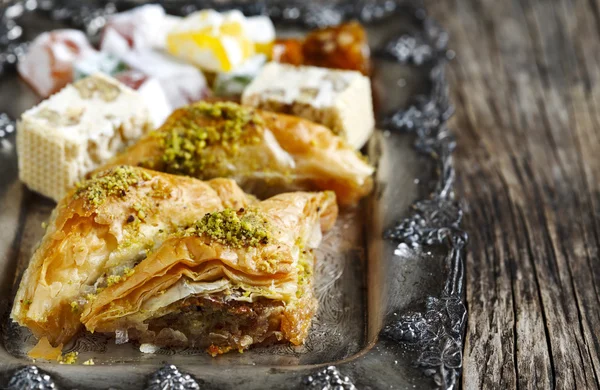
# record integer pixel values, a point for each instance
(220, 42)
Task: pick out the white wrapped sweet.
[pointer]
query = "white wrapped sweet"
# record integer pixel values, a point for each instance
(220, 42)
(142, 27)
(48, 65)
(182, 83)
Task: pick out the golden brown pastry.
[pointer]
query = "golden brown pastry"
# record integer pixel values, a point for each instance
(233, 279)
(263, 152)
(100, 231)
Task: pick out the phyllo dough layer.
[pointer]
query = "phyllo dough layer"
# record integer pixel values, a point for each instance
(258, 149)
(100, 231)
(236, 277)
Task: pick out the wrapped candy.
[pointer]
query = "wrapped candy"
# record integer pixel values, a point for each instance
(288, 51)
(151, 91)
(182, 83)
(261, 31)
(340, 47)
(220, 42)
(48, 64)
(142, 27)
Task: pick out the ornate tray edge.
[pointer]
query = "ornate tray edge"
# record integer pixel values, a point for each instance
(437, 332)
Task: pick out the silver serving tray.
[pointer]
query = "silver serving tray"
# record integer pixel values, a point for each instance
(389, 276)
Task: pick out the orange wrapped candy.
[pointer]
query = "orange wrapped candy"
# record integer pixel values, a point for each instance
(288, 51)
(340, 47)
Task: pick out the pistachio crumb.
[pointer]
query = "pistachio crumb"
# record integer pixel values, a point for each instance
(234, 228)
(68, 358)
(198, 126)
(114, 182)
(89, 362)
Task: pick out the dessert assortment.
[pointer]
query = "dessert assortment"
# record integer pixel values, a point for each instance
(197, 163)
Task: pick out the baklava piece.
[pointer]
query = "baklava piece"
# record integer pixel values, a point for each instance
(235, 278)
(264, 152)
(100, 231)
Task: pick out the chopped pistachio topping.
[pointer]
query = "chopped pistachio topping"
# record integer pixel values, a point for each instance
(184, 137)
(113, 182)
(89, 362)
(113, 279)
(68, 358)
(234, 228)
(74, 306)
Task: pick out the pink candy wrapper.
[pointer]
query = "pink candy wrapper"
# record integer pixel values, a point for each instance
(48, 64)
(144, 27)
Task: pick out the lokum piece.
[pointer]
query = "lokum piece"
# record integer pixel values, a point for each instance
(142, 27)
(339, 47)
(288, 51)
(48, 64)
(212, 41)
(182, 83)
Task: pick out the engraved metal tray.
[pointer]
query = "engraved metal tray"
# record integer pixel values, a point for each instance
(389, 275)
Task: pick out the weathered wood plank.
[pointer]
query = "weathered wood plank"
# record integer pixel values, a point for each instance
(526, 83)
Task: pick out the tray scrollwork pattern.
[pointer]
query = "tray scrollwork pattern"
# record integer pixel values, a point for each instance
(437, 331)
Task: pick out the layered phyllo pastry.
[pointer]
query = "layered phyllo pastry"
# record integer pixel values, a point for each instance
(260, 150)
(98, 234)
(234, 278)
(173, 261)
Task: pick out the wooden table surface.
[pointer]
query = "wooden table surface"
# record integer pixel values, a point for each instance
(526, 86)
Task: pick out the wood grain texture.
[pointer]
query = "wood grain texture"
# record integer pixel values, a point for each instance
(526, 85)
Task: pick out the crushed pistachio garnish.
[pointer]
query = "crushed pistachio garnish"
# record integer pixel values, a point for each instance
(116, 181)
(89, 362)
(91, 297)
(114, 279)
(127, 272)
(234, 228)
(68, 358)
(74, 306)
(184, 137)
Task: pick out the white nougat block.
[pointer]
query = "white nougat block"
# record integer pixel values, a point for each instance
(338, 99)
(76, 130)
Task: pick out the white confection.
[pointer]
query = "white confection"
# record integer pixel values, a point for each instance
(75, 131)
(182, 83)
(260, 29)
(213, 41)
(48, 64)
(145, 26)
(338, 99)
